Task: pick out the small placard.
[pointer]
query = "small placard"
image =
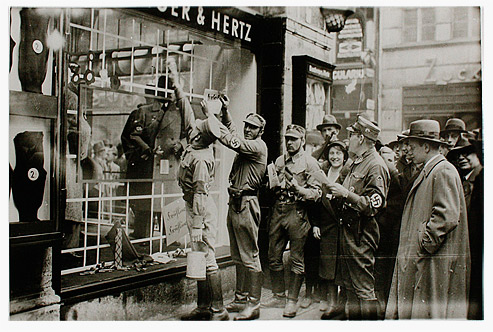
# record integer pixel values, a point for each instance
(164, 166)
(175, 222)
(212, 99)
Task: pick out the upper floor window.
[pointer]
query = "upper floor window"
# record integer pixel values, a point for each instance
(427, 24)
(465, 22)
(418, 25)
(410, 25)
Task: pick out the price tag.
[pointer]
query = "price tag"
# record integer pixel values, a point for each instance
(33, 174)
(37, 46)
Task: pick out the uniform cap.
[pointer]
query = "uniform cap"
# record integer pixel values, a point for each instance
(365, 127)
(208, 128)
(255, 120)
(294, 130)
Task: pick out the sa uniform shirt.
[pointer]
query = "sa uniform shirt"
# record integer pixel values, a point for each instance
(369, 179)
(251, 161)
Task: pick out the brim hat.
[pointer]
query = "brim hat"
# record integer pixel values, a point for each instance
(208, 128)
(465, 146)
(403, 135)
(314, 137)
(340, 144)
(329, 120)
(255, 120)
(98, 146)
(427, 130)
(454, 125)
(366, 128)
(295, 131)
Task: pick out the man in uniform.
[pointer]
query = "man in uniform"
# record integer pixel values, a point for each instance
(195, 176)
(362, 195)
(244, 209)
(138, 141)
(292, 179)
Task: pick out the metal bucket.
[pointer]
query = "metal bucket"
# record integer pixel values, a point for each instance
(196, 264)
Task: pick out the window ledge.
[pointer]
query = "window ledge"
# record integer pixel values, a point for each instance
(429, 44)
(77, 288)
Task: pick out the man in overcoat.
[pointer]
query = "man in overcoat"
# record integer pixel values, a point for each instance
(431, 274)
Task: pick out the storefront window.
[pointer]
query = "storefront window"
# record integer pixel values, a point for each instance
(116, 59)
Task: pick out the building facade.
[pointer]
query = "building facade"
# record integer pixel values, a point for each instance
(430, 66)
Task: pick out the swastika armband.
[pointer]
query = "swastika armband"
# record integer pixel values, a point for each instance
(376, 201)
(235, 143)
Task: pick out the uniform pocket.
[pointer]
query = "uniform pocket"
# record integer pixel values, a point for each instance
(356, 182)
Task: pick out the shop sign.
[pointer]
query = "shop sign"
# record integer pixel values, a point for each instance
(228, 21)
(350, 41)
(350, 74)
(441, 75)
(318, 71)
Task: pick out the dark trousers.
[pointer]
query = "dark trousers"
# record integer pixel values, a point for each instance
(288, 223)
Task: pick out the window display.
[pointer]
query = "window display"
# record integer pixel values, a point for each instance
(125, 133)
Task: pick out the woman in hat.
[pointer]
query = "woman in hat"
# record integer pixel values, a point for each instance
(324, 221)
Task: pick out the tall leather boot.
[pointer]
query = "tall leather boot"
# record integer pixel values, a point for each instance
(293, 293)
(369, 309)
(278, 299)
(217, 307)
(202, 312)
(241, 291)
(337, 303)
(252, 309)
(353, 306)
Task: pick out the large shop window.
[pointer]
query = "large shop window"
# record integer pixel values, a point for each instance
(117, 59)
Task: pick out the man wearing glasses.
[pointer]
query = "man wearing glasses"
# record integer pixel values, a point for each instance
(291, 178)
(361, 197)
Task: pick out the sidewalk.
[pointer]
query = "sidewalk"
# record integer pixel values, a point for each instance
(310, 313)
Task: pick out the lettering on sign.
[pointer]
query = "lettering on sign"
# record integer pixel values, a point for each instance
(175, 221)
(213, 103)
(319, 71)
(212, 19)
(435, 74)
(349, 74)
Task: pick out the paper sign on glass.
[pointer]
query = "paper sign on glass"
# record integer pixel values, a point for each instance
(213, 102)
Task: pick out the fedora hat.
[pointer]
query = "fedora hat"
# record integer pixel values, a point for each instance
(465, 146)
(98, 146)
(427, 130)
(329, 120)
(454, 124)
